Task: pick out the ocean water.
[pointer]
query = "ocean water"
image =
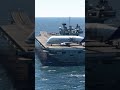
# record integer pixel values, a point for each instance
(53, 24)
(5, 80)
(57, 78)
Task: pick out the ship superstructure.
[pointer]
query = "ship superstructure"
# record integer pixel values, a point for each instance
(63, 53)
(70, 31)
(99, 13)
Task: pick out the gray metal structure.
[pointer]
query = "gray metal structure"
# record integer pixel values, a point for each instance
(64, 54)
(70, 31)
(99, 13)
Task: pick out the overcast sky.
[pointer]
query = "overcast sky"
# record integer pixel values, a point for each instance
(59, 8)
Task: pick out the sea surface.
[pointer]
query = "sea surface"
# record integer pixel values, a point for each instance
(52, 24)
(5, 80)
(58, 78)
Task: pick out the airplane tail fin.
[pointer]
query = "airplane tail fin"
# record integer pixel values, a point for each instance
(116, 34)
(31, 38)
(83, 40)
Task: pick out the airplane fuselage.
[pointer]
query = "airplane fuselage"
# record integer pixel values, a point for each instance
(95, 31)
(62, 39)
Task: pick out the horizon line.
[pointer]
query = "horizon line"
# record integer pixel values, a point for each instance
(59, 17)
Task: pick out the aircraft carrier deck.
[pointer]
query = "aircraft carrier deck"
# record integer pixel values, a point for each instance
(102, 66)
(62, 55)
(17, 56)
(100, 50)
(42, 39)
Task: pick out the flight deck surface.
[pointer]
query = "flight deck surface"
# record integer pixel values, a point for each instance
(42, 39)
(100, 51)
(18, 35)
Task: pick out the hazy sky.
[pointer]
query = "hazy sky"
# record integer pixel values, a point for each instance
(59, 8)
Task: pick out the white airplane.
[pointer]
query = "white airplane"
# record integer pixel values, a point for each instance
(64, 40)
(102, 32)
